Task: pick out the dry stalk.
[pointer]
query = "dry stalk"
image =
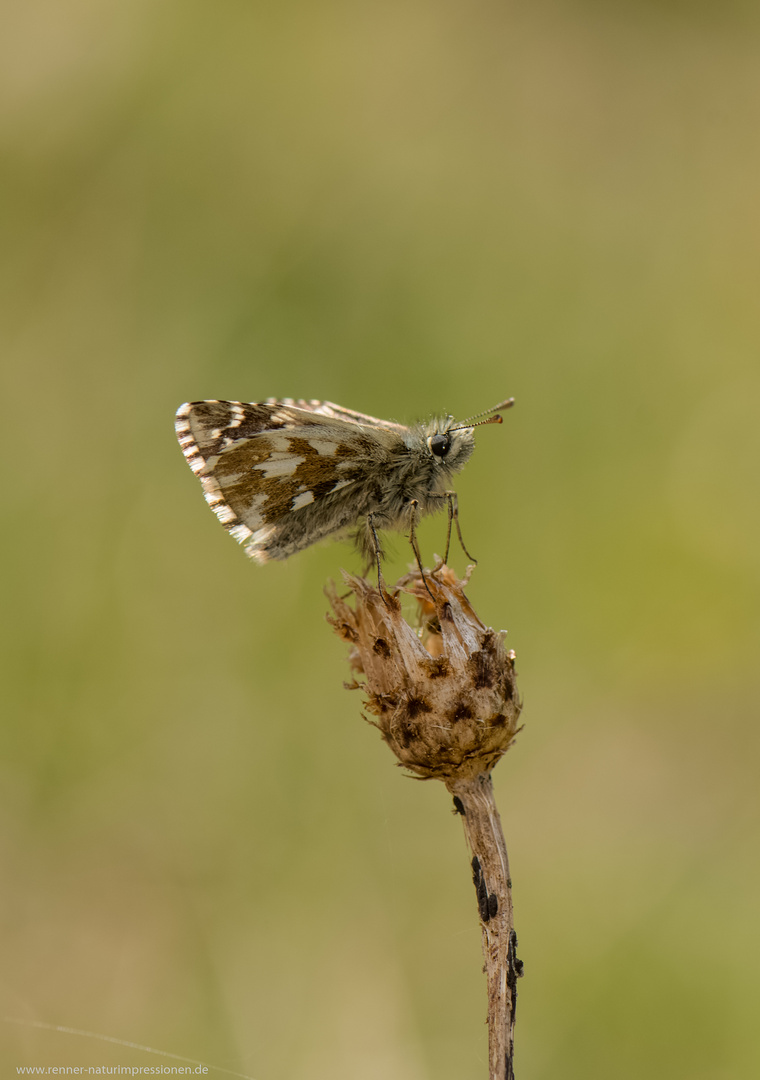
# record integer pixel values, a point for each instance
(444, 698)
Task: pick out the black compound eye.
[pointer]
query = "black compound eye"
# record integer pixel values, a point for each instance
(440, 444)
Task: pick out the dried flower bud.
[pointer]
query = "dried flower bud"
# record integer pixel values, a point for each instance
(444, 696)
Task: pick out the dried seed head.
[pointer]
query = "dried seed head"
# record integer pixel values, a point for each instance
(444, 696)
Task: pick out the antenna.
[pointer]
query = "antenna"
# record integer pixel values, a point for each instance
(491, 419)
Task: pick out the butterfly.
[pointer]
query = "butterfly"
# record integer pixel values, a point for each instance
(282, 474)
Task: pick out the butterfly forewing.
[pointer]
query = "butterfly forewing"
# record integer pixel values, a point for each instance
(266, 466)
(328, 408)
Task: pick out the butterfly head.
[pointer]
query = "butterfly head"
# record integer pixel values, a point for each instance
(452, 442)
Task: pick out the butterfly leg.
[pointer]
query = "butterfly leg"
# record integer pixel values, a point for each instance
(450, 508)
(454, 513)
(415, 546)
(453, 509)
(378, 555)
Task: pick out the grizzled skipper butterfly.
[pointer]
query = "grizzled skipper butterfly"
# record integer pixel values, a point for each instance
(282, 474)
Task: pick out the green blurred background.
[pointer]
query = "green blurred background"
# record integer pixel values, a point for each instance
(404, 207)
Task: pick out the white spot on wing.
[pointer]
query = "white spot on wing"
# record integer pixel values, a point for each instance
(240, 532)
(279, 465)
(304, 499)
(280, 443)
(253, 518)
(210, 464)
(323, 446)
(224, 513)
(195, 461)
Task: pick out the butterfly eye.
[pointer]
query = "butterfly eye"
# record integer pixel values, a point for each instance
(440, 444)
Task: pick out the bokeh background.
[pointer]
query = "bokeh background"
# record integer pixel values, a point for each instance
(404, 207)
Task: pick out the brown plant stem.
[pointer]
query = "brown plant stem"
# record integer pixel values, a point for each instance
(493, 886)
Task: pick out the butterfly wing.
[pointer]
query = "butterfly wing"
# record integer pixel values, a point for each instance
(337, 412)
(281, 475)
